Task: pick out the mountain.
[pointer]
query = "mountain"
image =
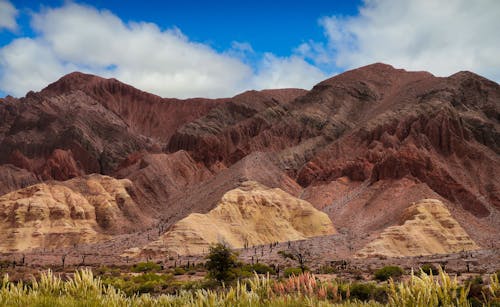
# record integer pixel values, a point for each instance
(249, 215)
(425, 228)
(360, 146)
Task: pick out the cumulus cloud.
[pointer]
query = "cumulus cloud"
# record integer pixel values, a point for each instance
(281, 72)
(440, 36)
(8, 14)
(165, 62)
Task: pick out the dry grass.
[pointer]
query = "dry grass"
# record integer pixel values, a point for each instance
(83, 289)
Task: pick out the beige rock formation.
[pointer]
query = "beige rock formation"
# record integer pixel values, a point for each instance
(251, 214)
(57, 214)
(426, 228)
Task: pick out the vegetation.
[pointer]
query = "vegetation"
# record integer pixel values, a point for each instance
(221, 263)
(429, 268)
(259, 268)
(143, 283)
(146, 267)
(292, 272)
(299, 253)
(387, 272)
(428, 291)
(83, 289)
(368, 291)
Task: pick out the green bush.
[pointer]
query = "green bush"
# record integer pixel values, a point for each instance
(259, 268)
(326, 269)
(179, 271)
(142, 283)
(292, 271)
(242, 273)
(221, 262)
(368, 291)
(142, 267)
(429, 268)
(387, 272)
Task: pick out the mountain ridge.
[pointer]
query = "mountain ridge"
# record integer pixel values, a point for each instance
(391, 131)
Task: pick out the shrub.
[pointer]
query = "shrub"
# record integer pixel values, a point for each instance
(387, 272)
(142, 267)
(143, 283)
(83, 289)
(107, 271)
(491, 293)
(428, 291)
(292, 272)
(221, 263)
(362, 291)
(259, 268)
(179, 271)
(326, 269)
(368, 291)
(429, 269)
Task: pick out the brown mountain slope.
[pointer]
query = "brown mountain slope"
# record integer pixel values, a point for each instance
(432, 131)
(13, 178)
(95, 123)
(142, 112)
(375, 122)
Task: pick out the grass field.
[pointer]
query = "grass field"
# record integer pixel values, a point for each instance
(84, 289)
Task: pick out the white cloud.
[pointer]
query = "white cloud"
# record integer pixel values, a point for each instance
(27, 64)
(8, 14)
(441, 36)
(293, 71)
(165, 62)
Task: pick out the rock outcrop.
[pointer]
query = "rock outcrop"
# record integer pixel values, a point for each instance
(13, 178)
(425, 228)
(234, 129)
(59, 214)
(246, 216)
(158, 178)
(97, 122)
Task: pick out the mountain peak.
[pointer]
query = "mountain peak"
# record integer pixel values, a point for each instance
(73, 81)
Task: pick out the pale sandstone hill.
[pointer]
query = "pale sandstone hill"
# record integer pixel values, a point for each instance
(426, 228)
(57, 214)
(251, 214)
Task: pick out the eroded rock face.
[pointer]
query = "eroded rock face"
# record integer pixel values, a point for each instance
(85, 124)
(232, 130)
(443, 132)
(159, 177)
(425, 228)
(372, 123)
(249, 215)
(142, 112)
(58, 214)
(13, 178)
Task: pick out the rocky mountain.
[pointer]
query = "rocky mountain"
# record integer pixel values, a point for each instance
(361, 147)
(249, 215)
(57, 214)
(425, 228)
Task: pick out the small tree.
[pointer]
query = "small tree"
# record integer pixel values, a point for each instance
(221, 261)
(298, 253)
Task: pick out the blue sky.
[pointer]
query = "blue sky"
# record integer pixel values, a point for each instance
(219, 48)
(277, 26)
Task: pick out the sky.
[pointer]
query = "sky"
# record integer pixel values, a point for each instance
(221, 48)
